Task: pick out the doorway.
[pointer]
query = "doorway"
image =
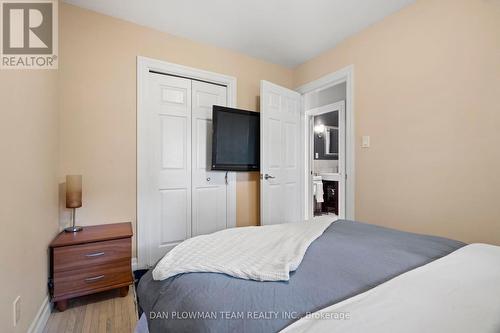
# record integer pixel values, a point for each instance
(326, 150)
(331, 93)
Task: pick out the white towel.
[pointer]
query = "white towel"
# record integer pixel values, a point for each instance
(318, 191)
(267, 253)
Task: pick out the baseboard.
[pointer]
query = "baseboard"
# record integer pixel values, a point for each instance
(41, 317)
(134, 264)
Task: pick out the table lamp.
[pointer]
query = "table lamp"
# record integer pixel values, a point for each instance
(73, 198)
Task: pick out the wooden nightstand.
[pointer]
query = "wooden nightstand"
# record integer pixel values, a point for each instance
(95, 259)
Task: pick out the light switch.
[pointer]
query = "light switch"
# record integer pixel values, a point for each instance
(365, 141)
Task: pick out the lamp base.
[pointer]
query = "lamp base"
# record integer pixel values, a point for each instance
(73, 229)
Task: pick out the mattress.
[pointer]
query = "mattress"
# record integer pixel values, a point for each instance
(348, 259)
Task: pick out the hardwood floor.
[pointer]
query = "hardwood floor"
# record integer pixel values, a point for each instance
(102, 312)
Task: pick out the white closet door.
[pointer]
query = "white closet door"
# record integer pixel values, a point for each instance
(209, 211)
(167, 145)
(280, 152)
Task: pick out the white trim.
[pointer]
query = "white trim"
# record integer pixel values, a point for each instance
(134, 264)
(328, 80)
(309, 149)
(303, 180)
(345, 74)
(144, 65)
(41, 318)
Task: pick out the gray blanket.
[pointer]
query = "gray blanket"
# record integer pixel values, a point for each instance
(348, 259)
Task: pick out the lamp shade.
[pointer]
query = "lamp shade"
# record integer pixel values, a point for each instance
(73, 191)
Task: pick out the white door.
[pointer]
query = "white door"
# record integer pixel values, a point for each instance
(280, 152)
(209, 212)
(167, 162)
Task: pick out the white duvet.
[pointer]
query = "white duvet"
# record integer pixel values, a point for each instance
(267, 253)
(457, 293)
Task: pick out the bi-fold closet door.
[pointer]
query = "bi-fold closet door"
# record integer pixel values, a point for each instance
(209, 190)
(184, 198)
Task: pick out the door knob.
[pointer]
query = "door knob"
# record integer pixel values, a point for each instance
(208, 179)
(266, 177)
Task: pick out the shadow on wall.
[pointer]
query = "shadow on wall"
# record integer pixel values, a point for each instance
(64, 213)
(257, 103)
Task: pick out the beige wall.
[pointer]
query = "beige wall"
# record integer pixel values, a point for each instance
(425, 81)
(97, 95)
(28, 191)
(427, 89)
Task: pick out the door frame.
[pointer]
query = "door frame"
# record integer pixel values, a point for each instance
(346, 75)
(144, 66)
(310, 113)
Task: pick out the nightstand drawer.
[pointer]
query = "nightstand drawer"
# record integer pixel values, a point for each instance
(92, 278)
(91, 254)
(95, 259)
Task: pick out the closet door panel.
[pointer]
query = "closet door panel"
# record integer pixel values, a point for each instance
(209, 211)
(209, 190)
(168, 163)
(173, 216)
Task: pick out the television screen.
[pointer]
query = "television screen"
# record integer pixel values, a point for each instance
(236, 139)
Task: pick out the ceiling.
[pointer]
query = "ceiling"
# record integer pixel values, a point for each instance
(285, 32)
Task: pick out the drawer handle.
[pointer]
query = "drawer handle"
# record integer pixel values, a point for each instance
(97, 254)
(95, 278)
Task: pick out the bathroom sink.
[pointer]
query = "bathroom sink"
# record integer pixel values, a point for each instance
(317, 178)
(330, 176)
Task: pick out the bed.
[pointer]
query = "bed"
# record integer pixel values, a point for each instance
(457, 293)
(348, 259)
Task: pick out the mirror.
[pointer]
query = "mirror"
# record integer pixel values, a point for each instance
(331, 140)
(326, 136)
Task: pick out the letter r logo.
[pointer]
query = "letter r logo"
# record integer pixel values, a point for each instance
(27, 27)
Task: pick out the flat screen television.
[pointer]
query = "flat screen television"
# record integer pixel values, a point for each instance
(235, 140)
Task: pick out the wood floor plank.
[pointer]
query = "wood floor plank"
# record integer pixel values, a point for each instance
(105, 312)
(86, 319)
